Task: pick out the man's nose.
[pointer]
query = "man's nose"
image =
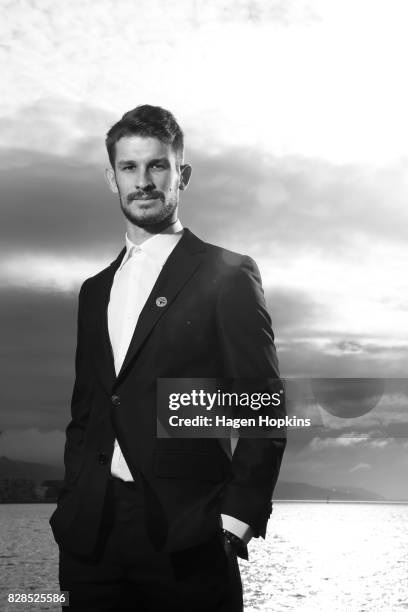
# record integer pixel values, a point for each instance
(143, 180)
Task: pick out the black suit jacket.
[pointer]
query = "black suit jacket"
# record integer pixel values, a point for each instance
(214, 324)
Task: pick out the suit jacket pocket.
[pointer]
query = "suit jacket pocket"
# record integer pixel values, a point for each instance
(198, 466)
(64, 513)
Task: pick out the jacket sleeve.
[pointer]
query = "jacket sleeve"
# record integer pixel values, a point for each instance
(80, 402)
(248, 350)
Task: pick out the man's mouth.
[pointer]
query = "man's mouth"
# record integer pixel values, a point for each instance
(147, 198)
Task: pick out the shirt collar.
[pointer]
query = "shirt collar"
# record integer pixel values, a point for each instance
(158, 247)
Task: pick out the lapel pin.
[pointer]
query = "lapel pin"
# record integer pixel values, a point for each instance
(161, 301)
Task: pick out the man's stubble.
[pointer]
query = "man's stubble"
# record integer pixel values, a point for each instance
(147, 218)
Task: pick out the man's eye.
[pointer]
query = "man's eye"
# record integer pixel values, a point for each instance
(128, 167)
(161, 166)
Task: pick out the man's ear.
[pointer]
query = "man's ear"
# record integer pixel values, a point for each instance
(110, 179)
(185, 174)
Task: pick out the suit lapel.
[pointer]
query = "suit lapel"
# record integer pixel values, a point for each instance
(179, 267)
(181, 264)
(104, 362)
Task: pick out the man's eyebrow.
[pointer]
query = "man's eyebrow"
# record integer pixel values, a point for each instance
(128, 162)
(159, 160)
(125, 162)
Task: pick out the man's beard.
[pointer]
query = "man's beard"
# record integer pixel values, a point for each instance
(147, 218)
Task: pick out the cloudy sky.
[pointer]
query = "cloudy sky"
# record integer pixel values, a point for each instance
(295, 122)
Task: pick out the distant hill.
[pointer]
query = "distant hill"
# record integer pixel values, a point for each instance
(9, 468)
(39, 472)
(301, 490)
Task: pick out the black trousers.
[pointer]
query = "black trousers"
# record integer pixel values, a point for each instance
(127, 573)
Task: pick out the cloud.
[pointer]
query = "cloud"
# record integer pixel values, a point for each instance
(48, 272)
(334, 462)
(315, 357)
(319, 444)
(52, 207)
(300, 205)
(281, 209)
(348, 441)
(387, 420)
(69, 131)
(369, 408)
(285, 209)
(287, 88)
(37, 358)
(360, 466)
(349, 346)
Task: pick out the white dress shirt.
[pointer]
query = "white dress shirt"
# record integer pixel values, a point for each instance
(132, 285)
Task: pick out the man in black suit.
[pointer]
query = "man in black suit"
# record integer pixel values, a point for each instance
(148, 523)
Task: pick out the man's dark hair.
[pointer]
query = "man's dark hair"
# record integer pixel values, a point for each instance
(147, 121)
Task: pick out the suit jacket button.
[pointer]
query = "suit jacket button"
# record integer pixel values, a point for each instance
(103, 458)
(115, 399)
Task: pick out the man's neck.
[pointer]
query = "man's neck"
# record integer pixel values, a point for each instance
(138, 235)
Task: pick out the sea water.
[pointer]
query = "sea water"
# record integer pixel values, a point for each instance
(317, 557)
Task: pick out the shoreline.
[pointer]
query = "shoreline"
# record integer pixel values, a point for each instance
(275, 501)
